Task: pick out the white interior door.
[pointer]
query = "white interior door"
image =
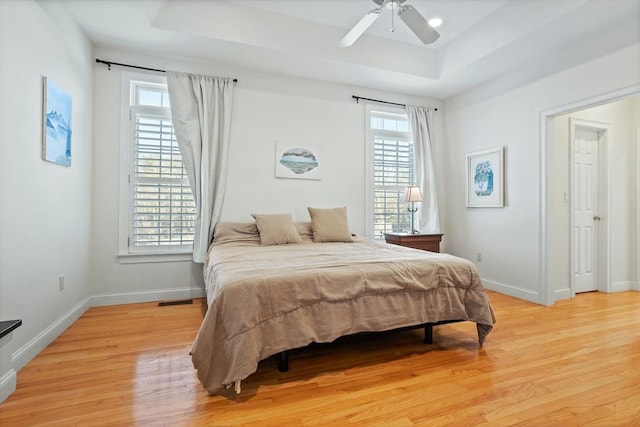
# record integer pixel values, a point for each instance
(585, 210)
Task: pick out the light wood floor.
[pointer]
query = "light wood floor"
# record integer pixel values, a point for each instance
(576, 363)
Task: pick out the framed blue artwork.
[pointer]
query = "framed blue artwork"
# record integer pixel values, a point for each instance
(56, 124)
(485, 178)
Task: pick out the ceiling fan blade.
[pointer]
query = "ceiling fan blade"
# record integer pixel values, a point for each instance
(416, 23)
(355, 33)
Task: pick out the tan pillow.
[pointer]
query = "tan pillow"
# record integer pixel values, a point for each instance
(246, 232)
(277, 229)
(305, 231)
(330, 225)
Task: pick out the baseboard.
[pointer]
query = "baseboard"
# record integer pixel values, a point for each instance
(624, 286)
(7, 384)
(146, 296)
(27, 352)
(512, 290)
(23, 355)
(560, 294)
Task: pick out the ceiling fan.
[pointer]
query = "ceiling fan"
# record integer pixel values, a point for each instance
(409, 15)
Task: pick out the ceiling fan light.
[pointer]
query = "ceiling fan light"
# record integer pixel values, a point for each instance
(435, 22)
(362, 26)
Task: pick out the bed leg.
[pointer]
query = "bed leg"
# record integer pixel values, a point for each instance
(283, 361)
(428, 334)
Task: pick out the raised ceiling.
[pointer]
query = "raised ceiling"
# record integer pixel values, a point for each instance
(480, 39)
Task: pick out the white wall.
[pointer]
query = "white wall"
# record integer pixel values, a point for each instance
(267, 108)
(45, 209)
(510, 238)
(64, 221)
(622, 116)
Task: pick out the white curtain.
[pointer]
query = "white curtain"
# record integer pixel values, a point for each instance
(201, 114)
(421, 121)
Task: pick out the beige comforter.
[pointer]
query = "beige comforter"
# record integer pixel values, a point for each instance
(266, 299)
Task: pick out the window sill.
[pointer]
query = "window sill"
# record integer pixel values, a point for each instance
(140, 258)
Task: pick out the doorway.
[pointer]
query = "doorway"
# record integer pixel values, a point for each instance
(613, 120)
(588, 207)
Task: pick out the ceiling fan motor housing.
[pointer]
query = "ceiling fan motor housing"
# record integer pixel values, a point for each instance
(388, 2)
(409, 15)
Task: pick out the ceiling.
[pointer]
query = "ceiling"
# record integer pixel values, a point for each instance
(480, 39)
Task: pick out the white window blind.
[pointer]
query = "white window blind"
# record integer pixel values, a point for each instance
(393, 171)
(162, 211)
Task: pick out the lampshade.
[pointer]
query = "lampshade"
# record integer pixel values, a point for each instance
(413, 194)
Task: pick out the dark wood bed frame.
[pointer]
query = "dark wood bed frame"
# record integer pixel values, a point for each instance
(283, 356)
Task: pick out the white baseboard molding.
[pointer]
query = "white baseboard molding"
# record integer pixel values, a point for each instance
(624, 286)
(7, 384)
(560, 294)
(146, 296)
(27, 352)
(23, 355)
(512, 290)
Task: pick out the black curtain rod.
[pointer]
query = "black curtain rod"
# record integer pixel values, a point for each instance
(110, 63)
(358, 98)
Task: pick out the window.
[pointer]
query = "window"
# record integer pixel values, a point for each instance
(159, 208)
(391, 170)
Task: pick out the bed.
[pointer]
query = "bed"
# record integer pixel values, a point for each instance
(266, 299)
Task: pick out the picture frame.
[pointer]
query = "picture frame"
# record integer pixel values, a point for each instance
(485, 178)
(298, 161)
(56, 124)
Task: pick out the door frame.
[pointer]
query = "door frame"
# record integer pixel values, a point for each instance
(546, 117)
(637, 284)
(603, 261)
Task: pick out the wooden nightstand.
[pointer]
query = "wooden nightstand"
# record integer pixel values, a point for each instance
(426, 242)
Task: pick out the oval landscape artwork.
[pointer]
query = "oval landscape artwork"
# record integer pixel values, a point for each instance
(299, 160)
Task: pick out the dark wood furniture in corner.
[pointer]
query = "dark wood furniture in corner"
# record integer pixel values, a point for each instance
(426, 242)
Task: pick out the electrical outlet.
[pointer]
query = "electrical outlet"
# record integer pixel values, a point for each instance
(61, 283)
(479, 256)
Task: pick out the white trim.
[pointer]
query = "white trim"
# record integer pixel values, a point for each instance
(637, 207)
(139, 258)
(561, 294)
(146, 296)
(8, 384)
(623, 286)
(369, 152)
(604, 131)
(125, 154)
(546, 117)
(30, 350)
(24, 354)
(512, 290)
(125, 173)
(548, 297)
(368, 181)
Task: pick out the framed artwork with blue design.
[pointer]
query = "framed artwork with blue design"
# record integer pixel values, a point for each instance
(56, 124)
(485, 178)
